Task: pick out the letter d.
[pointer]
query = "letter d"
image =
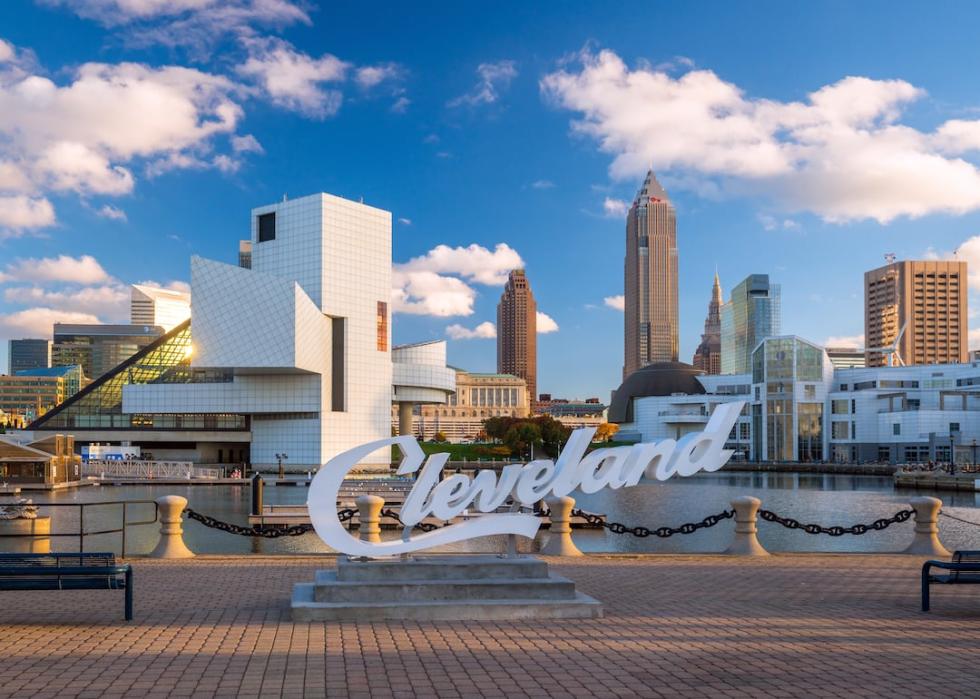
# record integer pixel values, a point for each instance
(706, 450)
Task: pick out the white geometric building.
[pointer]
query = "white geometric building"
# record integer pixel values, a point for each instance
(304, 334)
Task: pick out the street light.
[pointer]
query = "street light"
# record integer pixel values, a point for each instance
(282, 471)
(974, 445)
(952, 455)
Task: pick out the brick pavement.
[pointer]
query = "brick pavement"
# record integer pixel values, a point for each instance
(787, 626)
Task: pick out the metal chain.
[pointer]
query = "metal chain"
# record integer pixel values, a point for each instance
(295, 530)
(959, 519)
(643, 532)
(877, 525)
(422, 526)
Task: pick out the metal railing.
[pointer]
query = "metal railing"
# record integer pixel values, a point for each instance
(82, 533)
(148, 469)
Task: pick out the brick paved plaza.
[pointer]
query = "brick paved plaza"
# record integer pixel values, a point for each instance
(790, 625)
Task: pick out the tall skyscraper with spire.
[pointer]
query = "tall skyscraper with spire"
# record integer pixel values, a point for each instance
(517, 332)
(708, 354)
(651, 332)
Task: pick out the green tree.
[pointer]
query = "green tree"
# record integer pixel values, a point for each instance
(522, 436)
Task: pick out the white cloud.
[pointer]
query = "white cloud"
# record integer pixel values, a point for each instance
(38, 322)
(293, 79)
(19, 212)
(194, 24)
(175, 285)
(771, 223)
(494, 77)
(405, 221)
(400, 105)
(112, 212)
(969, 252)
(856, 341)
(83, 270)
(428, 293)
(615, 208)
(973, 339)
(85, 135)
(371, 76)
(484, 331)
(546, 324)
(616, 302)
(543, 184)
(246, 144)
(110, 302)
(841, 154)
(474, 262)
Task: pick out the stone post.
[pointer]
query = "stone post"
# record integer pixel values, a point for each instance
(926, 539)
(369, 517)
(171, 544)
(560, 534)
(745, 542)
(405, 417)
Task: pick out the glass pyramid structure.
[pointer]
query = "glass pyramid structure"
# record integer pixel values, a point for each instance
(98, 406)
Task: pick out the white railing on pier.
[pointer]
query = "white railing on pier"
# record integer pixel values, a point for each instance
(147, 469)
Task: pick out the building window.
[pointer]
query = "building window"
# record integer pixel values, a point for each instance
(838, 430)
(338, 367)
(839, 407)
(809, 392)
(267, 227)
(954, 427)
(382, 326)
(896, 428)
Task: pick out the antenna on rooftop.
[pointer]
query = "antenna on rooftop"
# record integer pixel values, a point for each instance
(284, 197)
(889, 258)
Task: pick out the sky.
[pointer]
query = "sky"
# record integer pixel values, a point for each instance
(805, 141)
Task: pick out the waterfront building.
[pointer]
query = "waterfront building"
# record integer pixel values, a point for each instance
(478, 396)
(29, 394)
(517, 331)
(572, 413)
(846, 357)
(72, 376)
(28, 354)
(167, 308)
(421, 378)
(799, 407)
(245, 254)
(292, 356)
(48, 461)
(915, 312)
(99, 348)
(707, 356)
(751, 314)
(650, 279)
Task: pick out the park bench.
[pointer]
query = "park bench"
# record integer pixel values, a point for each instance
(964, 569)
(66, 571)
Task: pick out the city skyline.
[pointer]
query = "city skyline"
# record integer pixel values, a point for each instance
(492, 153)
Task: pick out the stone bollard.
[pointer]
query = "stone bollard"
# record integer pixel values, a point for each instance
(171, 543)
(745, 542)
(560, 538)
(926, 541)
(369, 517)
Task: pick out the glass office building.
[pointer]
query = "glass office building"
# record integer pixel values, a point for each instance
(751, 314)
(29, 354)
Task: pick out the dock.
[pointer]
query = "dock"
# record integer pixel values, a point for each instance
(938, 480)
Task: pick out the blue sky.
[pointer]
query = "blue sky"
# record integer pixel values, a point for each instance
(803, 141)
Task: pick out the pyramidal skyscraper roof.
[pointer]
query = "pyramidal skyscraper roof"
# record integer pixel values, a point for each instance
(650, 189)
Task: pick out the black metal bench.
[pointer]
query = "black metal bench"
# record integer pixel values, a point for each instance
(964, 569)
(66, 571)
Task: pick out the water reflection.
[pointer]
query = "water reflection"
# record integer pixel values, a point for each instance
(823, 499)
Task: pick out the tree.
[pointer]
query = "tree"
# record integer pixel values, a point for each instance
(554, 434)
(605, 431)
(440, 438)
(522, 436)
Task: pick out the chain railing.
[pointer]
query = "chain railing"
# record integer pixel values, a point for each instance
(643, 532)
(943, 513)
(837, 530)
(421, 526)
(261, 532)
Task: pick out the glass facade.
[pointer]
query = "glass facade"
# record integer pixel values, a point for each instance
(751, 314)
(99, 405)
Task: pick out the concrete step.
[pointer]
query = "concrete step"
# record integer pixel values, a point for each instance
(477, 567)
(327, 588)
(306, 608)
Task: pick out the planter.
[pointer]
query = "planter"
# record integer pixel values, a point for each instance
(37, 541)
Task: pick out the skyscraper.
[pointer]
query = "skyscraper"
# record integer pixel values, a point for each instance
(150, 305)
(917, 308)
(650, 279)
(707, 356)
(517, 332)
(751, 314)
(29, 354)
(99, 348)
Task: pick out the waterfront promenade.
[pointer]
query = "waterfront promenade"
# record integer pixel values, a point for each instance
(789, 625)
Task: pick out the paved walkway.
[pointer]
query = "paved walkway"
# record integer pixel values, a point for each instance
(787, 626)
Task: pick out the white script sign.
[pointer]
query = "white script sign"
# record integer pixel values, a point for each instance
(524, 484)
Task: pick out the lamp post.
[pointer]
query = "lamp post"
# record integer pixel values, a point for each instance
(282, 471)
(952, 455)
(974, 445)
